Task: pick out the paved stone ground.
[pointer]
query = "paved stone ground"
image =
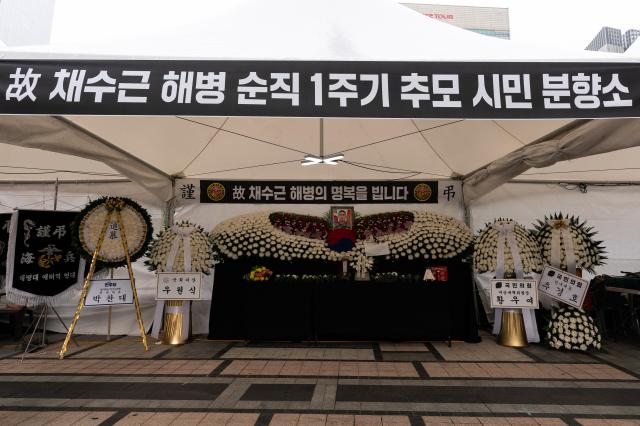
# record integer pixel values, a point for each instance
(315, 384)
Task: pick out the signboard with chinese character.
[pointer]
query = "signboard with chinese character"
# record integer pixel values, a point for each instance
(563, 286)
(179, 286)
(109, 292)
(312, 192)
(41, 261)
(382, 89)
(514, 293)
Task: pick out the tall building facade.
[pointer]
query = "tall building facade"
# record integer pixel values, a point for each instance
(613, 40)
(491, 21)
(629, 37)
(26, 22)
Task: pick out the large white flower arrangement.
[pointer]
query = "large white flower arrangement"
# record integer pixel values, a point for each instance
(588, 252)
(573, 329)
(253, 235)
(200, 244)
(486, 249)
(430, 236)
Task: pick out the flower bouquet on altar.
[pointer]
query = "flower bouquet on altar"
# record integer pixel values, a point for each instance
(259, 273)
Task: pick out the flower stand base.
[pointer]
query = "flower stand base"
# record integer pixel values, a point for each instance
(512, 332)
(174, 321)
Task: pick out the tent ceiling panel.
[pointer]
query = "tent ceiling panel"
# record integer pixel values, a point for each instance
(30, 164)
(465, 145)
(528, 131)
(164, 142)
(616, 166)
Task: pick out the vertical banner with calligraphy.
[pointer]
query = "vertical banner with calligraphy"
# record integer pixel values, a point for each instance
(41, 264)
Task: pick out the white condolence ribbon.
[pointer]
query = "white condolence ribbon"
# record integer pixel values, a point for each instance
(183, 234)
(506, 235)
(560, 231)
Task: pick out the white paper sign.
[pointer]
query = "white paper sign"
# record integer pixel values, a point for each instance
(187, 191)
(563, 286)
(109, 292)
(514, 293)
(376, 249)
(179, 286)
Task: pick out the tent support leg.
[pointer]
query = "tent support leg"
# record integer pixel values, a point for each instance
(474, 288)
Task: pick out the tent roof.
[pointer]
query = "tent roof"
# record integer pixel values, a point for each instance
(272, 148)
(275, 30)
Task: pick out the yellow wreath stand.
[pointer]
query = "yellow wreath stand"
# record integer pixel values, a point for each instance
(115, 210)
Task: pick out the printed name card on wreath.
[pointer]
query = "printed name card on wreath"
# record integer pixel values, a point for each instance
(506, 293)
(109, 292)
(563, 286)
(179, 286)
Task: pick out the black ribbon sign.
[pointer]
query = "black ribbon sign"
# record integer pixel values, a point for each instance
(312, 192)
(491, 90)
(44, 264)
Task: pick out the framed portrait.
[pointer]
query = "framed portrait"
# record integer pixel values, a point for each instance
(342, 217)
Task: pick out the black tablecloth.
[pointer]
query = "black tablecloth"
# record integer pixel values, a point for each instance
(342, 310)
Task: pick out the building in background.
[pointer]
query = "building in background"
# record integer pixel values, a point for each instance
(26, 22)
(612, 40)
(629, 37)
(491, 21)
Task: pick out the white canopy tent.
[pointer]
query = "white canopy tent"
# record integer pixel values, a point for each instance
(99, 152)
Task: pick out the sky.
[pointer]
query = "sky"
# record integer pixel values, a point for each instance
(560, 23)
(569, 23)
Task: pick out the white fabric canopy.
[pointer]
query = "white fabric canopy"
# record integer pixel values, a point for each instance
(269, 148)
(150, 151)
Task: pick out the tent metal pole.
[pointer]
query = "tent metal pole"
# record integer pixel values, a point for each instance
(55, 195)
(321, 137)
(474, 289)
(169, 211)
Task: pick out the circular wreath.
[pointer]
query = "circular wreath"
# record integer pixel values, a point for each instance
(588, 252)
(89, 224)
(486, 249)
(202, 255)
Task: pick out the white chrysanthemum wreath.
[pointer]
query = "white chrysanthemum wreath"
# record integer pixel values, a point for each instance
(430, 236)
(572, 329)
(200, 245)
(486, 249)
(587, 252)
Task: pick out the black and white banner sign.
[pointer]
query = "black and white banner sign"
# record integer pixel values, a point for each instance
(41, 264)
(322, 89)
(188, 191)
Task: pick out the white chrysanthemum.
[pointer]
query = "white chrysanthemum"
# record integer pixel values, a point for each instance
(588, 252)
(421, 238)
(562, 327)
(486, 249)
(202, 255)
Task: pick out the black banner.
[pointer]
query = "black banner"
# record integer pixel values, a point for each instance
(312, 192)
(489, 90)
(44, 263)
(5, 223)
